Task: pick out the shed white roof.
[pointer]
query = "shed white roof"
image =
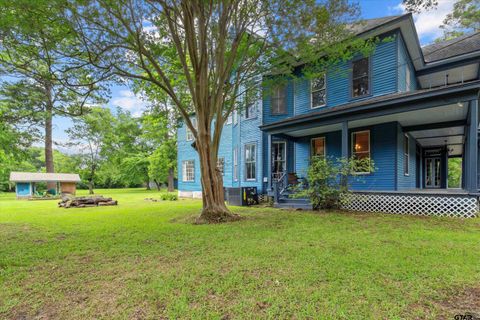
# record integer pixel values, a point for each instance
(43, 177)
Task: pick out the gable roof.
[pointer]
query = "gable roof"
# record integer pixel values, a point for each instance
(43, 177)
(370, 24)
(455, 47)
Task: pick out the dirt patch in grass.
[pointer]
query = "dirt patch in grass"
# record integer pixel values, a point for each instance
(464, 302)
(461, 302)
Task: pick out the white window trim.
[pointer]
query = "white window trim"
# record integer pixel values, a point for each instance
(284, 95)
(406, 156)
(352, 79)
(407, 78)
(284, 153)
(235, 164)
(311, 93)
(245, 160)
(194, 123)
(184, 171)
(324, 146)
(369, 148)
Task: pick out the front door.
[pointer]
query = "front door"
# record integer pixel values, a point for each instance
(432, 173)
(279, 158)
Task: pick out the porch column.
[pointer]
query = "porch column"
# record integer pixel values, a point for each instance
(269, 161)
(472, 160)
(344, 181)
(345, 139)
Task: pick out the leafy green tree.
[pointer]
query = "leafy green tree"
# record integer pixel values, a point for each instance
(465, 16)
(213, 51)
(159, 125)
(38, 54)
(90, 134)
(455, 172)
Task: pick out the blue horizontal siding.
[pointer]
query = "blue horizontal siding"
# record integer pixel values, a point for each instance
(383, 63)
(406, 181)
(383, 152)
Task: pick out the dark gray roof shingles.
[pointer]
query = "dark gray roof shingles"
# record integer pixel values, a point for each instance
(446, 49)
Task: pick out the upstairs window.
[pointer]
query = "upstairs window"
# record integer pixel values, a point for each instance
(190, 136)
(278, 102)
(406, 158)
(361, 150)
(360, 77)
(250, 105)
(235, 116)
(188, 171)
(318, 89)
(318, 147)
(250, 162)
(408, 82)
(221, 165)
(250, 110)
(235, 164)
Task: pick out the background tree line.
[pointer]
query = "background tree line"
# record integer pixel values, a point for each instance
(109, 150)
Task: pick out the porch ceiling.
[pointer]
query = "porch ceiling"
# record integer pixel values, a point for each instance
(455, 75)
(445, 113)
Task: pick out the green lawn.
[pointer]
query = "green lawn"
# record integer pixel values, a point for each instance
(144, 260)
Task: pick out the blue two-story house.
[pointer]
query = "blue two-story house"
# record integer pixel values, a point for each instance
(409, 109)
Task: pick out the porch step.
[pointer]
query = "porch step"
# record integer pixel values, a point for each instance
(303, 204)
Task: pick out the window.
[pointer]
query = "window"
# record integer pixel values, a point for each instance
(235, 116)
(221, 165)
(235, 164)
(278, 104)
(229, 119)
(406, 158)
(250, 162)
(279, 158)
(318, 147)
(361, 149)
(360, 77)
(318, 89)
(250, 110)
(188, 170)
(189, 132)
(407, 78)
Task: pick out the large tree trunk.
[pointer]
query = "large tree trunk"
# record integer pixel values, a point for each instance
(49, 143)
(171, 181)
(214, 208)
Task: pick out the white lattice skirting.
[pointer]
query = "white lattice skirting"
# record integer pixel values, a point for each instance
(460, 206)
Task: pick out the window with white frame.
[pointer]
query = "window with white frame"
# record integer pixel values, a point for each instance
(235, 164)
(318, 89)
(361, 150)
(406, 157)
(250, 162)
(318, 147)
(221, 165)
(360, 77)
(188, 170)
(190, 136)
(250, 109)
(407, 78)
(235, 116)
(278, 100)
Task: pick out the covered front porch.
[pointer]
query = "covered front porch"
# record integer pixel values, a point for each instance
(410, 137)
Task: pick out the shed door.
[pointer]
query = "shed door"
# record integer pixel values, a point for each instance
(23, 189)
